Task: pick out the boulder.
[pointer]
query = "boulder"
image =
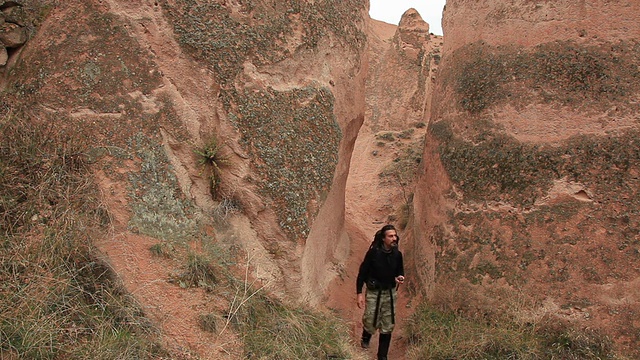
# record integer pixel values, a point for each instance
(12, 35)
(14, 12)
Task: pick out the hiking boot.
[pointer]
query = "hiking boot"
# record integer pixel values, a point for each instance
(366, 338)
(383, 346)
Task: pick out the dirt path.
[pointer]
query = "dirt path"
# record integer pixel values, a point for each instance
(368, 204)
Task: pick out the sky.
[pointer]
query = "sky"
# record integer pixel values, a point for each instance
(390, 11)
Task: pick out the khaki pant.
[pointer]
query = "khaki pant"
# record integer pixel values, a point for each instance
(384, 321)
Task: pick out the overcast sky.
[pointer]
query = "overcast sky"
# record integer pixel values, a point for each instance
(390, 11)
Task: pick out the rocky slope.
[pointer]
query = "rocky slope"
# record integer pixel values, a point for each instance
(531, 162)
(279, 86)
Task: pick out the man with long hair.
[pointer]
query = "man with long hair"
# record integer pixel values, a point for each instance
(382, 271)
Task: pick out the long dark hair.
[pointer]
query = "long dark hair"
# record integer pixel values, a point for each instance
(379, 236)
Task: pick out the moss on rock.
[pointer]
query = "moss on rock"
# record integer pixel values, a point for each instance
(560, 72)
(294, 138)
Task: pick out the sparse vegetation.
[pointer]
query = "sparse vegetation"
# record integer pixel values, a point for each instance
(163, 249)
(224, 209)
(273, 330)
(497, 166)
(386, 136)
(213, 35)
(439, 335)
(58, 298)
(406, 134)
(209, 322)
(199, 271)
(211, 160)
(562, 72)
(159, 208)
(293, 137)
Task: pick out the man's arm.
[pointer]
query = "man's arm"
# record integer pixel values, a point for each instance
(363, 272)
(399, 270)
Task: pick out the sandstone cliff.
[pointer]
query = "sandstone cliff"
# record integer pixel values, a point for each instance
(531, 162)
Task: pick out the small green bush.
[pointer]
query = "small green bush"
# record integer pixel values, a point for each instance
(199, 271)
(165, 250)
(386, 136)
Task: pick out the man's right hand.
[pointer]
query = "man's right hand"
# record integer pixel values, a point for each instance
(360, 300)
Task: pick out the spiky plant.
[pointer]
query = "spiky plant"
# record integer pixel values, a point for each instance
(211, 160)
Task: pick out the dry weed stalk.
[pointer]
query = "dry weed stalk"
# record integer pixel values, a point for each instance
(238, 302)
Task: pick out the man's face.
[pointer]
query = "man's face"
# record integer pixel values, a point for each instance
(390, 239)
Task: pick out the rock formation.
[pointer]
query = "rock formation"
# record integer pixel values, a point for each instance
(402, 63)
(13, 32)
(149, 83)
(531, 162)
(527, 172)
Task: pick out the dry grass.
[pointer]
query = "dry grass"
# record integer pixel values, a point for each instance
(515, 331)
(272, 329)
(199, 271)
(211, 161)
(58, 299)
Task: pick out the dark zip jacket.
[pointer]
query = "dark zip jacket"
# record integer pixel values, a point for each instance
(380, 267)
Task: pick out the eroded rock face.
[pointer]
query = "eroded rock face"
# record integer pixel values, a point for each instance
(531, 164)
(412, 34)
(530, 23)
(402, 65)
(280, 85)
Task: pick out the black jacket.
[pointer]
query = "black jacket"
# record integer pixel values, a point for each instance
(380, 266)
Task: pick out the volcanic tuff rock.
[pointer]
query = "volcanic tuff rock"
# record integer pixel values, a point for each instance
(13, 32)
(531, 161)
(530, 164)
(401, 64)
(412, 34)
(280, 85)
